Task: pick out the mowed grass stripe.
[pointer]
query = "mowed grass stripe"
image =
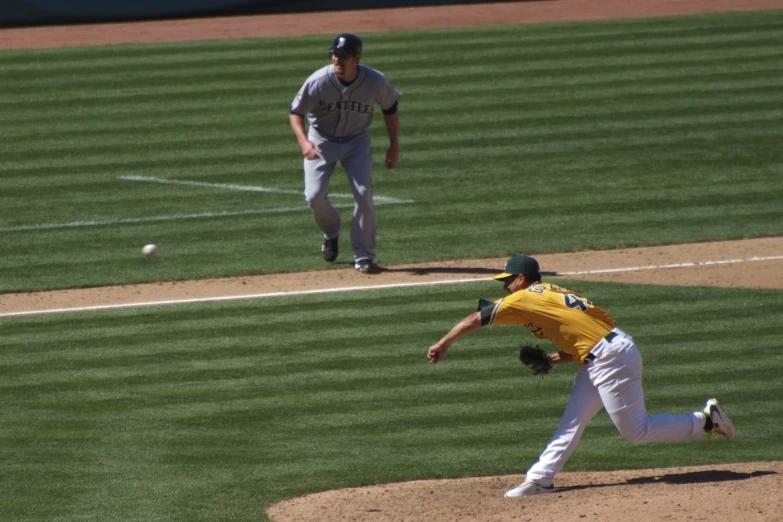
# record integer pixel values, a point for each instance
(161, 55)
(173, 146)
(217, 147)
(597, 32)
(501, 107)
(552, 88)
(195, 411)
(568, 72)
(146, 78)
(217, 76)
(566, 100)
(611, 212)
(246, 172)
(421, 137)
(581, 109)
(625, 93)
(138, 102)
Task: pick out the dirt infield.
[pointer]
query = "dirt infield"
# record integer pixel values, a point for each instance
(725, 493)
(750, 263)
(750, 492)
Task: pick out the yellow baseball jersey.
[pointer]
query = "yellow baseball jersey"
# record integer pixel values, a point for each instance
(564, 317)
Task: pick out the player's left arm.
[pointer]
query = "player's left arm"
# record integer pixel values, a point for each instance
(392, 120)
(560, 358)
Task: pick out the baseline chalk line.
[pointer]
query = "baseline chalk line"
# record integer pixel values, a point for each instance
(672, 265)
(372, 287)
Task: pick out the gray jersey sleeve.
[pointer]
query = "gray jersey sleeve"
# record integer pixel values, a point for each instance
(308, 94)
(387, 95)
(338, 112)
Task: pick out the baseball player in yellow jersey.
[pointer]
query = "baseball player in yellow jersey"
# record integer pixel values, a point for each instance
(610, 375)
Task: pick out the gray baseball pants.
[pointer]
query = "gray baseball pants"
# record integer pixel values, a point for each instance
(355, 155)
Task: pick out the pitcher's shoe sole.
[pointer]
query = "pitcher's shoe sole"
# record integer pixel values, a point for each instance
(528, 489)
(721, 423)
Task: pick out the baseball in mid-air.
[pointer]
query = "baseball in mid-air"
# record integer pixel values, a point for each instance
(149, 250)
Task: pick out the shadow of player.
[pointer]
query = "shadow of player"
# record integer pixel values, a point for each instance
(699, 477)
(692, 477)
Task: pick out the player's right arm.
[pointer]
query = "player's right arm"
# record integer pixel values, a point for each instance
(309, 149)
(468, 325)
(303, 103)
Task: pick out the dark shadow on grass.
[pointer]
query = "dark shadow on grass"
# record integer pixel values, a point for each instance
(693, 477)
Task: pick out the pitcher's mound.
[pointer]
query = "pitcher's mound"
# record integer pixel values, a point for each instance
(720, 493)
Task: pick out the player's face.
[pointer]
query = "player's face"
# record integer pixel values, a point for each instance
(514, 283)
(345, 65)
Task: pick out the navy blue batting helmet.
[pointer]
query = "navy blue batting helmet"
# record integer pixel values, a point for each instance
(346, 43)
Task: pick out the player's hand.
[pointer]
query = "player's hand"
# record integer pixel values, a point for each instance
(436, 352)
(311, 151)
(392, 157)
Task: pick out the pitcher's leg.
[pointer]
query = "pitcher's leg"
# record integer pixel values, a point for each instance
(317, 174)
(582, 406)
(358, 167)
(618, 378)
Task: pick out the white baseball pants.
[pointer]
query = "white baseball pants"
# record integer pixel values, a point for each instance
(613, 380)
(355, 155)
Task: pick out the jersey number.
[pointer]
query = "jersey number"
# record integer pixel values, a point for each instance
(572, 301)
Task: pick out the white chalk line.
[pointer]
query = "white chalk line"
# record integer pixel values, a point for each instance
(672, 265)
(155, 219)
(250, 188)
(379, 200)
(374, 287)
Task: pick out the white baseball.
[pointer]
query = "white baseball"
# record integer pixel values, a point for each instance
(149, 250)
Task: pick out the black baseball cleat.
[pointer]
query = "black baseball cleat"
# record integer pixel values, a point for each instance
(366, 266)
(330, 249)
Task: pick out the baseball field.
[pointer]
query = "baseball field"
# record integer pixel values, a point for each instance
(633, 149)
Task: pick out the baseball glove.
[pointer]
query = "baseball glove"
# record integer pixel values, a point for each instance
(536, 359)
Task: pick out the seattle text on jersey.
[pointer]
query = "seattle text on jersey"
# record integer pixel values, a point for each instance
(347, 105)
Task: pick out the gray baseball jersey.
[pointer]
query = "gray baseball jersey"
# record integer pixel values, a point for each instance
(337, 112)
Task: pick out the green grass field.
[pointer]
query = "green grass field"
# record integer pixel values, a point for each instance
(539, 138)
(215, 411)
(536, 138)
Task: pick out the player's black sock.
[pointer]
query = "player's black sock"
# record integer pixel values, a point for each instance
(708, 424)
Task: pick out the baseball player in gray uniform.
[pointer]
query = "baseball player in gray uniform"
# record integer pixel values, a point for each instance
(338, 101)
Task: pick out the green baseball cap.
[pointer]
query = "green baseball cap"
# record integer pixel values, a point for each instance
(524, 265)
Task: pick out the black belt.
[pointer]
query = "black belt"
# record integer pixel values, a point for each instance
(609, 338)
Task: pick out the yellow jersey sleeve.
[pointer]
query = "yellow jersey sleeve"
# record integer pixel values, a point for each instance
(550, 312)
